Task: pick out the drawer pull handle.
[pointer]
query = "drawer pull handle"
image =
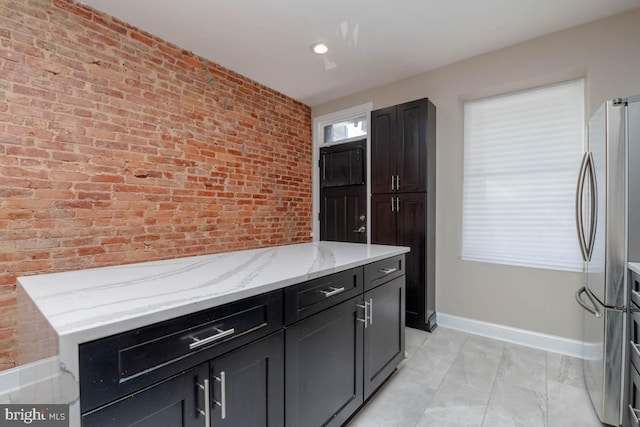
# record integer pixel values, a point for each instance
(370, 311)
(333, 291)
(207, 407)
(366, 313)
(388, 270)
(223, 394)
(221, 334)
(634, 416)
(634, 346)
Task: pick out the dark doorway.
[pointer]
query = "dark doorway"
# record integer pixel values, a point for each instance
(343, 197)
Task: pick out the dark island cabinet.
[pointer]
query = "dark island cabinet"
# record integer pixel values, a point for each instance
(309, 355)
(248, 385)
(176, 402)
(324, 366)
(384, 335)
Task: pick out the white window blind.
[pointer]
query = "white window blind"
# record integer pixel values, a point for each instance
(522, 154)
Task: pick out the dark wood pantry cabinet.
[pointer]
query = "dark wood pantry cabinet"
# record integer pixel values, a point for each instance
(403, 182)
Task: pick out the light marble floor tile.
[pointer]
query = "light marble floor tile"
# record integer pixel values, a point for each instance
(454, 379)
(399, 403)
(524, 367)
(414, 339)
(513, 406)
(565, 369)
(570, 406)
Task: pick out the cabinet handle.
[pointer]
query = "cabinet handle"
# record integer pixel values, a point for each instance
(223, 395)
(397, 182)
(392, 205)
(370, 311)
(397, 204)
(221, 334)
(392, 182)
(366, 313)
(332, 292)
(634, 416)
(388, 270)
(207, 407)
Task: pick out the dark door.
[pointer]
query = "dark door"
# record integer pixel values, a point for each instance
(343, 198)
(172, 403)
(343, 164)
(411, 147)
(383, 219)
(248, 384)
(384, 335)
(383, 150)
(411, 232)
(323, 373)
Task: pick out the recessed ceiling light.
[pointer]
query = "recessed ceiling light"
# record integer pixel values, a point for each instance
(319, 48)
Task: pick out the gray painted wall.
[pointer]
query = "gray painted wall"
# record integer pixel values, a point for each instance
(607, 54)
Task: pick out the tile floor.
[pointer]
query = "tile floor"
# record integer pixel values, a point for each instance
(454, 379)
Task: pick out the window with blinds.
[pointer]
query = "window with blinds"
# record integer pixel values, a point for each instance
(522, 153)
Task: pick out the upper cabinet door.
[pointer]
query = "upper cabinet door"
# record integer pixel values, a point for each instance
(412, 147)
(383, 150)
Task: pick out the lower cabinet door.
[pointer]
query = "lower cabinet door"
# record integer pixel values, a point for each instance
(175, 402)
(248, 385)
(384, 340)
(323, 374)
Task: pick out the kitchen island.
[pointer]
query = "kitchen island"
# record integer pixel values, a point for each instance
(119, 330)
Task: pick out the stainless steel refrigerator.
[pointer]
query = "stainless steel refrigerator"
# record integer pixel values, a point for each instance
(603, 218)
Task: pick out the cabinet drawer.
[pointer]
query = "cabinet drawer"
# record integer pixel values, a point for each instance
(310, 297)
(380, 272)
(634, 284)
(114, 366)
(634, 335)
(634, 396)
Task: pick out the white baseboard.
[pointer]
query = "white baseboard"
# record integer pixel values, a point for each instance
(552, 343)
(27, 375)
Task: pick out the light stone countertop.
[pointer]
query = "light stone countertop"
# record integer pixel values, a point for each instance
(634, 266)
(60, 311)
(85, 305)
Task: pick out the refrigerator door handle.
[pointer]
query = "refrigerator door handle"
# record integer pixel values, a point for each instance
(594, 205)
(579, 196)
(584, 305)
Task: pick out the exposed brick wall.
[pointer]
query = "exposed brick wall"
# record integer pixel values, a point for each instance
(118, 147)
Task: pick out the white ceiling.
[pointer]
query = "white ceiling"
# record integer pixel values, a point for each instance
(371, 42)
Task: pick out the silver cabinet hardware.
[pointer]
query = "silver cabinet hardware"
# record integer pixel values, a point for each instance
(634, 416)
(370, 311)
(366, 313)
(207, 406)
(221, 334)
(223, 395)
(333, 291)
(392, 205)
(392, 182)
(397, 182)
(388, 270)
(397, 204)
